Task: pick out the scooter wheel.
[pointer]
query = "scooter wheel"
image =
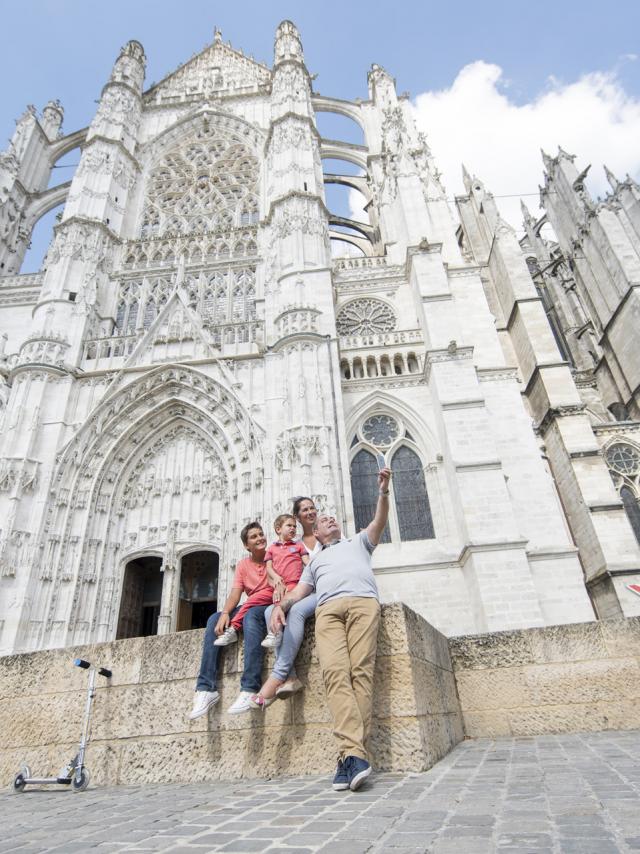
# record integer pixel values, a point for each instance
(81, 784)
(20, 780)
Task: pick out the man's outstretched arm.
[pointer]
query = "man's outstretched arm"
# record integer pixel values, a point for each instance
(377, 524)
(278, 619)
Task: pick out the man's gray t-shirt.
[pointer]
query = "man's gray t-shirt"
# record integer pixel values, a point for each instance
(343, 569)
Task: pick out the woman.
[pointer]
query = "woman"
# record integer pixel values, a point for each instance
(283, 681)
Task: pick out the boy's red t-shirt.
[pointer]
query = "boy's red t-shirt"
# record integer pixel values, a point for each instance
(250, 576)
(287, 559)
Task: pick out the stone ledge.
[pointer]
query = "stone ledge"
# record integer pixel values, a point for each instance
(581, 677)
(140, 729)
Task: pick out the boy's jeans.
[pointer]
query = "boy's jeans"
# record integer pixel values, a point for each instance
(254, 630)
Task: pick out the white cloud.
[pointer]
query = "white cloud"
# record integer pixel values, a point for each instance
(476, 123)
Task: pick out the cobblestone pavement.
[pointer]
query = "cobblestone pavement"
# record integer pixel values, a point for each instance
(572, 793)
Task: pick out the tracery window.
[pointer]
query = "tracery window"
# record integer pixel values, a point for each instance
(632, 508)
(223, 297)
(380, 430)
(209, 183)
(623, 460)
(365, 317)
(411, 499)
(410, 510)
(364, 488)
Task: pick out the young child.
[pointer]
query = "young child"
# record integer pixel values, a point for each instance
(285, 560)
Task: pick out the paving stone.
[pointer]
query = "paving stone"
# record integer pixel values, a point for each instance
(244, 845)
(566, 794)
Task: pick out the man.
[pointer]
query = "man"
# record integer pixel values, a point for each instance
(347, 617)
(250, 576)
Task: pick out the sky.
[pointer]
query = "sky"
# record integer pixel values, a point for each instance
(491, 82)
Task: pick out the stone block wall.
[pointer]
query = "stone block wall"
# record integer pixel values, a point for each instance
(573, 678)
(141, 732)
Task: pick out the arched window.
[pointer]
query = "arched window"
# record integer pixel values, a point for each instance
(149, 313)
(410, 516)
(364, 488)
(632, 509)
(132, 317)
(410, 491)
(122, 309)
(623, 460)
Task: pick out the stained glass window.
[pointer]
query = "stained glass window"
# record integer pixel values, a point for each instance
(624, 459)
(410, 492)
(209, 183)
(632, 509)
(364, 488)
(365, 316)
(380, 430)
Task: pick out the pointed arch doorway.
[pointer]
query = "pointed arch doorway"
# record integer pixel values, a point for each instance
(198, 593)
(141, 597)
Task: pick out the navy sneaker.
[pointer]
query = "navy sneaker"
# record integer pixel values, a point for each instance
(357, 771)
(341, 780)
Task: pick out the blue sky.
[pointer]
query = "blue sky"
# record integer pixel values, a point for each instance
(65, 48)
(532, 65)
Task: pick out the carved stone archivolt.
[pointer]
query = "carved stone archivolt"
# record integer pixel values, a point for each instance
(173, 446)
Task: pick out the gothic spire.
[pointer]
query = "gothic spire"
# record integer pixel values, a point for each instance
(288, 44)
(611, 178)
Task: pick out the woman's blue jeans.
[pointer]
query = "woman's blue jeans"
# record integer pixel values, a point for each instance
(292, 636)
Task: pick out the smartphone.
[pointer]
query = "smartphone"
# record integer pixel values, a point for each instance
(380, 460)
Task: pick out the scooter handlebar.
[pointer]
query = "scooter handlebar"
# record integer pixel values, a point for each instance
(85, 665)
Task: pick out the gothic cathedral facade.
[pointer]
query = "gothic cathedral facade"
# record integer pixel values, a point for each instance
(194, 354)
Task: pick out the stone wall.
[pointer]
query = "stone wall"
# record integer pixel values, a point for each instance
(579, 677)
(141, 732)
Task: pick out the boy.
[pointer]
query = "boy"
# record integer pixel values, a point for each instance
(250, 576)
(284, 560)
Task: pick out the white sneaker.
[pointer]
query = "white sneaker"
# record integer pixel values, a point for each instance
(242, 704)
(227, 637)
(202, 702)
(272, 641)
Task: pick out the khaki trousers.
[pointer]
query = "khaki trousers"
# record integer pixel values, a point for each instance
(346, 640)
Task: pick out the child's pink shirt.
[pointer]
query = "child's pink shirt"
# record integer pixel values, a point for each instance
(287, 560)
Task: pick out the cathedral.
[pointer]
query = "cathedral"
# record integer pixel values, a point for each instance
(206, 341)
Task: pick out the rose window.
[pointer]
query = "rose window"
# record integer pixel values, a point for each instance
(209, 184)
(365, 317)
(623, 459)
(380, 430)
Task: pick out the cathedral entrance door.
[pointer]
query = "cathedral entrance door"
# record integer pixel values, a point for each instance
(141, 596)
(198, 589)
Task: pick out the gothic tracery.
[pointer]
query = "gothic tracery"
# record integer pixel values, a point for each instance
(207, 183)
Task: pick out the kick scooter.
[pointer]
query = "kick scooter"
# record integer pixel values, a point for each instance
(74, 774)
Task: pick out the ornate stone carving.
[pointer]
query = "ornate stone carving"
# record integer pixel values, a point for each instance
(292, 134)
(81, 240)
(297, 445)
(206, 183)
(19, 473)
(15, 553)
(365, 317)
